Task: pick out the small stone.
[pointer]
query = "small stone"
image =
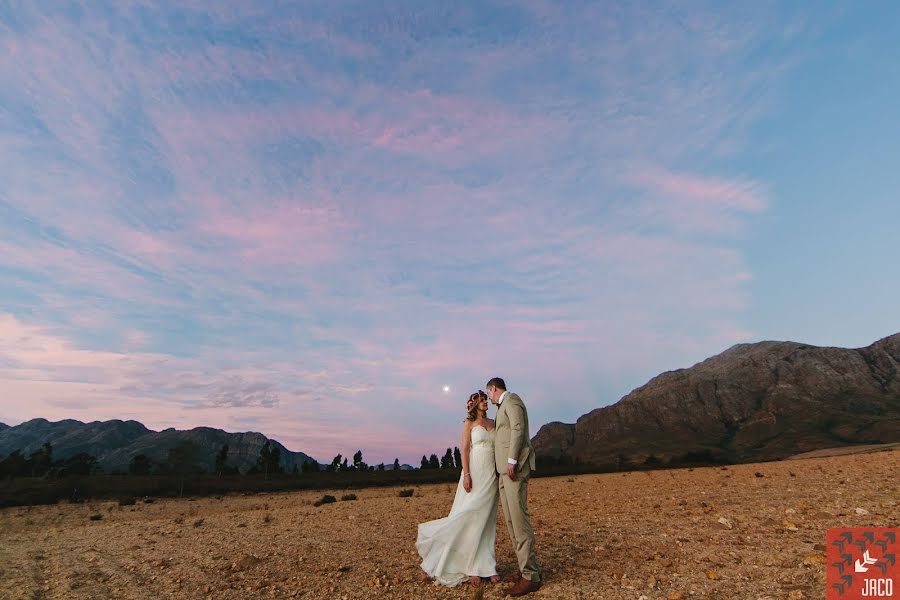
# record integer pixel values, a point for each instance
(675, 596)
(725, 523)
(814, 559)
(861, 512)
(712, 575)
(790, 526)
(246, 562)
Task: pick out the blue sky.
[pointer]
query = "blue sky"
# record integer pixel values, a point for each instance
(307, 220)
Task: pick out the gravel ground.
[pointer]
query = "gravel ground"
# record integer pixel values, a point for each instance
(745, 532)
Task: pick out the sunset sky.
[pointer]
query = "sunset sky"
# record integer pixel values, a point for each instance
(307, 219)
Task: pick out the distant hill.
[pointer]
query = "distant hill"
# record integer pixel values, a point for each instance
(753, 402)
(3, 426)
(114, 443)
(404, 467)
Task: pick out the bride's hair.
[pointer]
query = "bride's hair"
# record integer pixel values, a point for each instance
(473, 403)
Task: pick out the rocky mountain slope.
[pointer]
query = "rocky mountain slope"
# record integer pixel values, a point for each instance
(114, 443)
(759, 401)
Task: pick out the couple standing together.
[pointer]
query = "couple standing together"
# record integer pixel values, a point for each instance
(497, 462)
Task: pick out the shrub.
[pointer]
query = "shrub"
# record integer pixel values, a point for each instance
(96, 517)
(347, 497)
(406, 493)
(325, 500)
(127, 501)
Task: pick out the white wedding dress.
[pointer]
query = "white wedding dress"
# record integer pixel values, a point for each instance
(462, 543)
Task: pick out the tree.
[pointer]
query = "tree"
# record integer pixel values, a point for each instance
(396, 464)
(433, 462)
(425, 464)
(81, 464)
(381, 466)
(14, 465)
(275, 460)
(358, 463)
(140, 465)
(344, 466)
(335, 464)
(222, 459)
(457, 458)
(447, 459)
(264, 459)
(269, 460)
(182, 460)
(41, 461)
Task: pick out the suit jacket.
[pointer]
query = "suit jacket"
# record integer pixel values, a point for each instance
(512, 438)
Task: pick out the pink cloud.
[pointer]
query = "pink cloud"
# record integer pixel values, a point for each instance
(738, 195)
(695, 204)
(289, 232)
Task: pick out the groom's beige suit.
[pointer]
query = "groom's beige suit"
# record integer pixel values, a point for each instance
(512, 443)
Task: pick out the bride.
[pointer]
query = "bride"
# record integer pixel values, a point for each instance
(461, 545)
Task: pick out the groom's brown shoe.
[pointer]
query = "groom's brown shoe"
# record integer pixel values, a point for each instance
(525, 586)
(513, 577)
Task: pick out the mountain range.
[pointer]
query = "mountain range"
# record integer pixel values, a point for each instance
(114, 443)
(753, 402)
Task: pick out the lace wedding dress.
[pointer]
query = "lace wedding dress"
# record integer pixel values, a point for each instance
(462, 543)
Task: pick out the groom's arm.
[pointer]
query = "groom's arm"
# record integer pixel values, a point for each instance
(516, 414)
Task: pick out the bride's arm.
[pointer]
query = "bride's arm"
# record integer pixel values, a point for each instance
(466, 449)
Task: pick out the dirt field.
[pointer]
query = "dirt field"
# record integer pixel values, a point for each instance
(744, 532)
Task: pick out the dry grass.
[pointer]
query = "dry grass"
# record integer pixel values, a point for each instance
(701, 533)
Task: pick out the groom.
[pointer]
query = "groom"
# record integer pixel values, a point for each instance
(515, 462)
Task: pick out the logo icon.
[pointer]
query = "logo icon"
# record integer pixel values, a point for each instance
(862, 563)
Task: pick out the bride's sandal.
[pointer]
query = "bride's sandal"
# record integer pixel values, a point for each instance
(476, 581)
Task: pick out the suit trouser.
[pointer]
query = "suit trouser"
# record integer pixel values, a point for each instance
(514, 500)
